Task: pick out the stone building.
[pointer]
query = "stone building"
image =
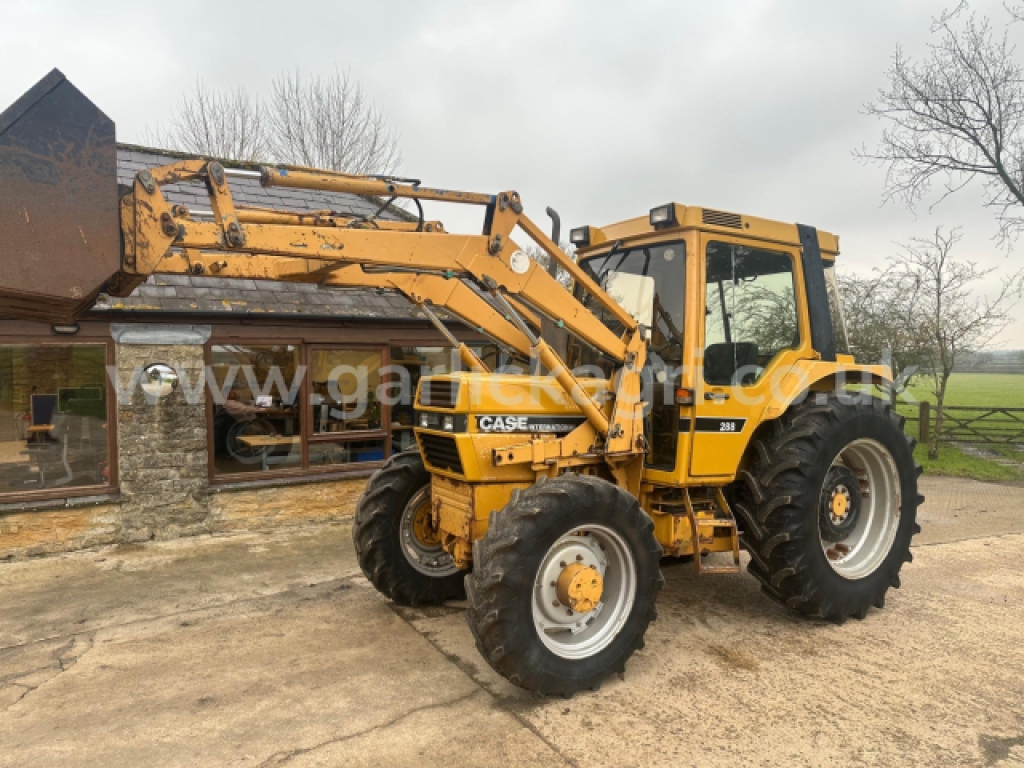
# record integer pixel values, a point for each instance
(287, 426)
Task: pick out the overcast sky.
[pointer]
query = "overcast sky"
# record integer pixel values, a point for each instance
(600, 109)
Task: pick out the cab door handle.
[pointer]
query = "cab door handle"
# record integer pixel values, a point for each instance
(718, 397)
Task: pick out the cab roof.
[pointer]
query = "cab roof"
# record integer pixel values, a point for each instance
(690, 217)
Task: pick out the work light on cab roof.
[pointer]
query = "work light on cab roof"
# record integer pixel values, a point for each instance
(664, 216)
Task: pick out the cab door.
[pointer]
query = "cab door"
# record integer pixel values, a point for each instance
(751, 329)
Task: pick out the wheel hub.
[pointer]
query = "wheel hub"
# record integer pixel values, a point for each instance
(423, 529)
(420, 541)
(566, 598)
(580, 586)
(840, 504)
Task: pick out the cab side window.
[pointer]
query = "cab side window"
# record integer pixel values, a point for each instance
(750, 312)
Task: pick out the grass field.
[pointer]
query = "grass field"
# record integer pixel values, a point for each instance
(971, 389)
(1003, 389)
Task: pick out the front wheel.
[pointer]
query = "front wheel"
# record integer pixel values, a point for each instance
(398, 549)
(564, 584)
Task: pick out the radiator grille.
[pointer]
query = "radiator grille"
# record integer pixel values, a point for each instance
(441, 451)
(721, 218)
(439, 393)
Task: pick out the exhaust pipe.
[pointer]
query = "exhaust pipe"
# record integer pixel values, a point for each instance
(60, 235)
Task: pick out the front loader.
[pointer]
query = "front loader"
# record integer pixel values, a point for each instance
(703, 404)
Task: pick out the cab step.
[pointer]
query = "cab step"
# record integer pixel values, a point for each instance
(705, 522)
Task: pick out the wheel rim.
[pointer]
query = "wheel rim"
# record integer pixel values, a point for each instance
(420, 544)
(580, 634)
(861, 551)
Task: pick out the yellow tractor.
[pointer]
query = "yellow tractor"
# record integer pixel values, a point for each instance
(690, 394)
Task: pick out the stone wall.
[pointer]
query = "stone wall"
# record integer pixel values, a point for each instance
(276, 506)
(41, 531)
(162, 457)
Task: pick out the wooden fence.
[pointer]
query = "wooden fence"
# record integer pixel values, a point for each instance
(971, 424)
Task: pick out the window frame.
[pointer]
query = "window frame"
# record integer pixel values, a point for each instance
(802, 322)
(112, 486)
(307, 435)
(213, 478)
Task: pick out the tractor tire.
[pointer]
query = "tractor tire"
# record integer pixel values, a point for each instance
(394, 552)
(824, 540)
(521, 628)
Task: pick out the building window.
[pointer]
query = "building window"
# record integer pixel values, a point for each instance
(256, 416)
(345, 404)
(53, 417)
(315, 407)
(296, 407)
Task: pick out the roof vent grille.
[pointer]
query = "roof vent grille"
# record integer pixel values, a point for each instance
(721, 218)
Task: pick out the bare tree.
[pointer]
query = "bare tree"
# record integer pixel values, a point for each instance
(229, 124)
(881, 311)
(330, 123)
(539, 255)
(320, 122)
(954, 117)
(950, 317)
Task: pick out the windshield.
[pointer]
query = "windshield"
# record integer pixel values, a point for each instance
(664, 267)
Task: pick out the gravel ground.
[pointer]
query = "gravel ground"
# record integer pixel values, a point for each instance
(268, 650)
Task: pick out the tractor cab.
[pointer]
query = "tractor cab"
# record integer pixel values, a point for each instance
(731, 306)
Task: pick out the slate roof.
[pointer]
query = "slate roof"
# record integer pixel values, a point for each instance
(215, 295)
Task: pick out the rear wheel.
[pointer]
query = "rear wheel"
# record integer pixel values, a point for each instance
(828, 505)
(397, 547)
(564, 584)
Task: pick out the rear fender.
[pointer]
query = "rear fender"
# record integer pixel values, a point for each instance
(809, 377)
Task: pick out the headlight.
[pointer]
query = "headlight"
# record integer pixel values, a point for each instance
(424, 420)
(448, 423)
(664, 216)
(580, 236)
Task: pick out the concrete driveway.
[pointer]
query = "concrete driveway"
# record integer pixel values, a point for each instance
(271, 650)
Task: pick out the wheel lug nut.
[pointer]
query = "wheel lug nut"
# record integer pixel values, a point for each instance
(554, 583)
(579, 557)
(555, 603)
(561, 564)
(569, 612)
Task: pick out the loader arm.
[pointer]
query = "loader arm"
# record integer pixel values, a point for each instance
(421, 290)
(419, 260)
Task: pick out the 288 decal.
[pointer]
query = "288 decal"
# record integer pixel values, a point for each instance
(720, 426)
